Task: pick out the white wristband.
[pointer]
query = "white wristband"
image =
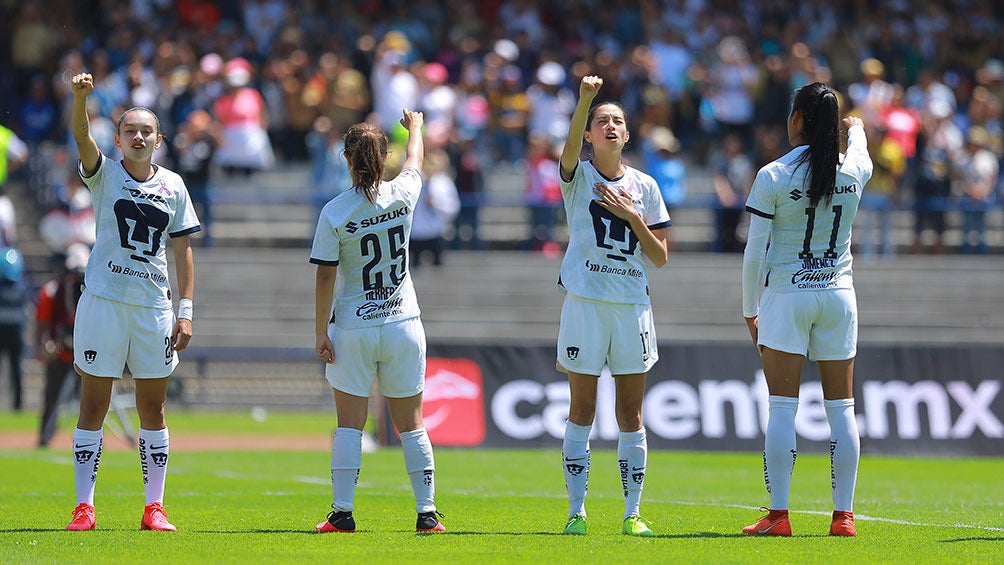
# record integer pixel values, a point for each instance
(185, 309)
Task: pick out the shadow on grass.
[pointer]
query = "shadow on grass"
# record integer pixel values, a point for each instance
(692, 535)
(27, 530)
(698, 535)
(975, 538)
(258, 531)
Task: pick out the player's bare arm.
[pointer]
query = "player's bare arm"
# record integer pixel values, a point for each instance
(82, 85)
(324, 292)
(184, 265)
(415, 151)
(588, 89)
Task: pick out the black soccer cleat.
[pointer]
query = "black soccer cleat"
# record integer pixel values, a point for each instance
(429, 522)
(337, 522)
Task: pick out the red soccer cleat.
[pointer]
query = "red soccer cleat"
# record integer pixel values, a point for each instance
(154, 518)
(429, 522)
(83, 518)
(775, 523)
(843, 524)
(342, 522)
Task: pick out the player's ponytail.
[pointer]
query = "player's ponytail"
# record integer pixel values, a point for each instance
(817, 103)
(366, 148)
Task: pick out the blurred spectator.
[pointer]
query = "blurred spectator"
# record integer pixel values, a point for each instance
(975, 170)
(510, 111)
(194, 148)
(903, 124)
(775, 95)
(54, 312)
(13, 299)
(39, 113)
(872, 95)
(439, 103)
(184, 95)
(473, 111)
(522, 16)
(13, 154)
(991, 75)
(543, 193)
(262, 19)
(732, 81)
(71, 219)
(661, 151)
(672, 60)
(983, 110)
(733, 176)
(32, 43)
(329, 170)
(879, 198)
(393, 85)
(470, 184)
(348, 95)
(928, 88)
(241, 112)
(435, 210)
(305, 93)
(941, 140)
(273, 75)
(551, 103)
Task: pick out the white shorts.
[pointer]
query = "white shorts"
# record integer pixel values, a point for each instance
(391, 354)
(108, 334)
(592, 334)
(822, 325)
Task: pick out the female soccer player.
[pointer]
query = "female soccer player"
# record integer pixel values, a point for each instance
(125, 314)
(616, 218)
(803, 204)
(373, 331)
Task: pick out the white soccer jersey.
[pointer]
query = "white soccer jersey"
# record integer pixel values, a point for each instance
(132, 222)
(604, 261)
(810, 247)
(369, 244)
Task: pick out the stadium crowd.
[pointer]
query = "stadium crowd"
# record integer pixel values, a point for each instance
(243, 84)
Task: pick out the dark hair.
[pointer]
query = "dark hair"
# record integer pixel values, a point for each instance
(592, 111)
(366, 148)
(156, 120)
(817, 103)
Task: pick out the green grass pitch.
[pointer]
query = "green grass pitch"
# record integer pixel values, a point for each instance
(501, 506)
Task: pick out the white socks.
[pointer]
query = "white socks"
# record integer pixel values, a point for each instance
(346, 460)
(86, 457)
(632, 453)
(845, 450)
(421, 468)
(779, 449)
(575, 455)
(154, 447)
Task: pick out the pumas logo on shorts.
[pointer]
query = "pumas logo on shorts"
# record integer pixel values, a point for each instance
(89, 356)
(572, 352)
